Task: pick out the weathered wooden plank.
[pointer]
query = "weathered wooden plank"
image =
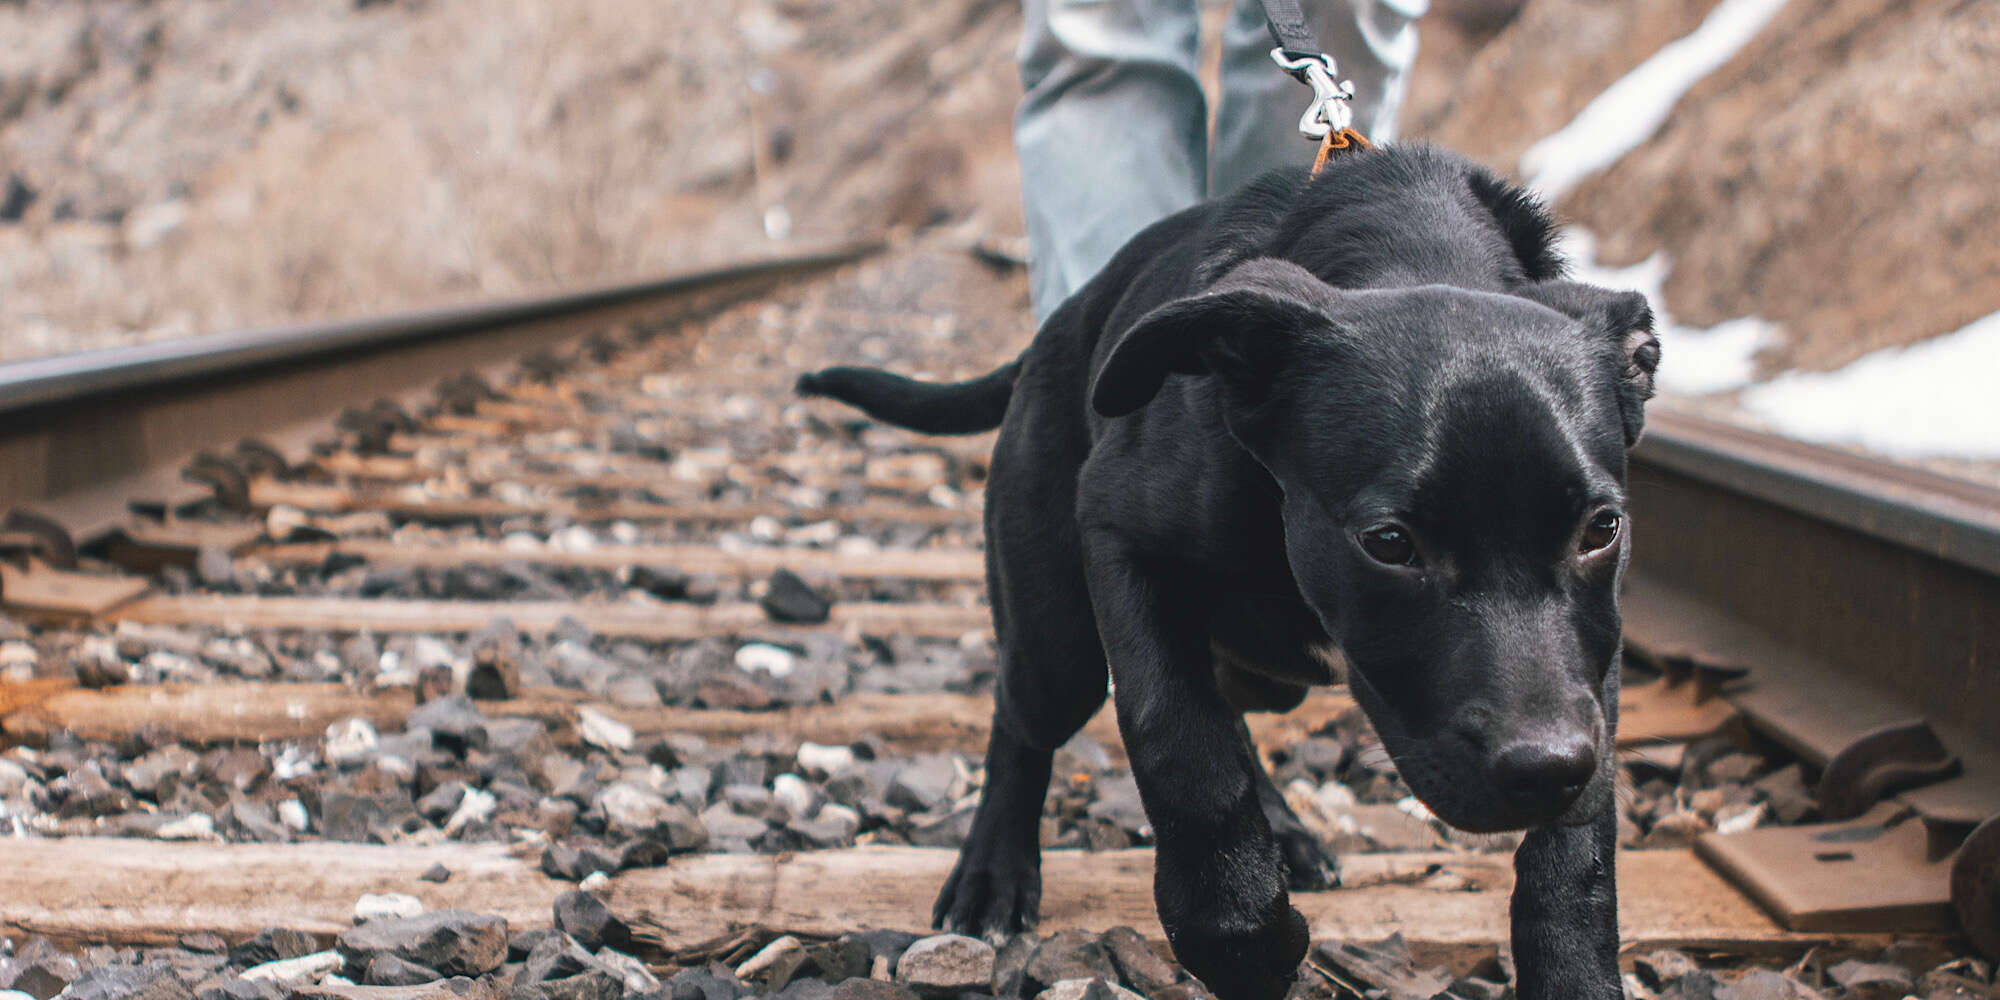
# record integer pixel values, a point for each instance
(41, 592)
(632, 621)
(414, 503)
(209, 714)
(144, 892)
(921, 564)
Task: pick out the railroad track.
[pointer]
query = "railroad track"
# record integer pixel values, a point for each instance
(730, 649)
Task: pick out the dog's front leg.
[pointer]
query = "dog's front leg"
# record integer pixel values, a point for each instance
(1219, 879)
(1565, 912)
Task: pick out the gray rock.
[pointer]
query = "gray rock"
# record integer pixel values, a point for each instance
(864, 988)
(1067, 955)
(361, 818)
(155, 981)
(456, 724)
(638, 978)
(454, 942)
(634, 691)
(1763, 984)
(438, 805)
(1139, 966)
(631, 811)
(272, 944)
(701, 984)
(46, 976)
(1874, 979)
(237, 988)
(574, 864)
(946, 964)
(585, 918)
(384, 969)
(1087, 989)
(556, 956)
(593, 985)
(924, 784)
(1010, 966)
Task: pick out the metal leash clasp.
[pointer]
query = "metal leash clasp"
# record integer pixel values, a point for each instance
(1329, 112)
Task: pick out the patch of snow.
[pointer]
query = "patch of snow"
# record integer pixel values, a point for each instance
(1925, 399)
(1693, 361)
(1632, 109)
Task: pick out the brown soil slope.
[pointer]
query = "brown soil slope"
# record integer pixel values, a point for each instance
(1838, 176)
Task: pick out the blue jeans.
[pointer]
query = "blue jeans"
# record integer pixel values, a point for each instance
(1112, 130)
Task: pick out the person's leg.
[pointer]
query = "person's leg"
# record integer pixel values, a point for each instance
(1111, 131)
(1372, 42)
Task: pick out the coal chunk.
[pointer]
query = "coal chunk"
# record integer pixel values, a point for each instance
(272, 944)
(792, 601)
(585, 918)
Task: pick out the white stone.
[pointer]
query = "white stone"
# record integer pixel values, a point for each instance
(475, 807)
(816, 533)
(1411, 807)
(380, 905)
(297, 971)
(820, 759)
(638, 978)
(292, 762)
(624, 532)
(1074, 989)
(283, 520)
(16, 653)
(194, 826)
(575, 538)
(837, 813)
(594, 882)
(768, 955)
(794, 794)
(766, 528)
(1741, 818)
(292, 813)
(349, 742)
(1334, 797)
(602, 731)
(15, 995)
(773, 660)
(13, 778)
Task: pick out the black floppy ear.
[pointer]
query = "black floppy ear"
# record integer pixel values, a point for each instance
(1237, 328)
(1626, 320)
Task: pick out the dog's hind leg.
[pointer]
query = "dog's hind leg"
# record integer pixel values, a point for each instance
(1311, 865)
(1052, 680)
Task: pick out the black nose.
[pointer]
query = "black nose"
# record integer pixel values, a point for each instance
(1545, 774)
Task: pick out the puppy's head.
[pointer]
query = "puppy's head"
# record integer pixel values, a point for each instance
(1453, 469)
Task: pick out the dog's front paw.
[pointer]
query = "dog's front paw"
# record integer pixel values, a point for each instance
(992, 893)
(1259, 965)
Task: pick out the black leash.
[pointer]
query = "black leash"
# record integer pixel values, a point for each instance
(1329, 120)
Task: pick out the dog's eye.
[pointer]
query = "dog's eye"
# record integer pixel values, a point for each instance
(1600, 532)
(1390, 545)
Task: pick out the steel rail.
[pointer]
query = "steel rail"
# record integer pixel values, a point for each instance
(84, 436)
(71, 377)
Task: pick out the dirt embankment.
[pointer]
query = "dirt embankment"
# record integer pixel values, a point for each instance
(174, 167)
(181, 167)
(1836, 176)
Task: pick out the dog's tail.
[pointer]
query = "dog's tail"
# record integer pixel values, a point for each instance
(949, 408)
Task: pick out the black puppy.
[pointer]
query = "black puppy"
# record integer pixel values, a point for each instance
(1361, 413)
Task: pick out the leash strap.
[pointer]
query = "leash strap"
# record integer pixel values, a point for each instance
(1289, 29)
(1329, 119)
